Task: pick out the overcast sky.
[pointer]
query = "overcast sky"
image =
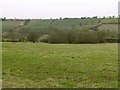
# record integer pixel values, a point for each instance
(57, 8)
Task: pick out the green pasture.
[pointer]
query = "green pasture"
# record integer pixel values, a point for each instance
(40, 65)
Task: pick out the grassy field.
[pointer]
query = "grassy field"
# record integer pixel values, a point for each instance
(112, 20)
(48, 24)
(110, 27)
(10, 25)
(60, 65)
(60, 24)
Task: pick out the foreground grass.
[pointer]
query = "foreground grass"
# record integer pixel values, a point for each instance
(60, 65)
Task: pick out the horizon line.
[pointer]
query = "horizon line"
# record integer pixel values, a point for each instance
(61, 17)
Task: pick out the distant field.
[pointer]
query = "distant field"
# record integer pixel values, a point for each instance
(60, 65)
(60, 24)
(46, 25)
(112, 20)
(110, 27)
(10, 25)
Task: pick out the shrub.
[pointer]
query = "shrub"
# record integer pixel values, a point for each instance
(32, 37)
(78, 37)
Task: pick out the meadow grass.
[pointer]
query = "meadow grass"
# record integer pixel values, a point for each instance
(60, 65)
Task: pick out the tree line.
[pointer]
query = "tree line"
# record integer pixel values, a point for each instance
(81, 37)
(63, 36)
(65, 18)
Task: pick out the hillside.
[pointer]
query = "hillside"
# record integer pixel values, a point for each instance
(19, 29)
(10, 25)
(37, 25)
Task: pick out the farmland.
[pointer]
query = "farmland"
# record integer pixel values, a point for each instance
(110, 27)
(81, 56)
(59, 24)
(10, 25)
(19, 30)
(45, 24)
(44, 65)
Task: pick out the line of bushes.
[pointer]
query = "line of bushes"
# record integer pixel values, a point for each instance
(64, 36)
(80, 37)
